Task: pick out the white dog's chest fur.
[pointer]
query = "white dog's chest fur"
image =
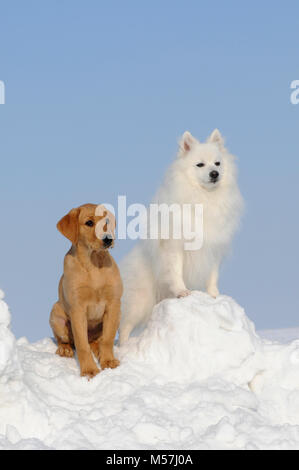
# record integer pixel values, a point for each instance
(198, 264)
(218, 227)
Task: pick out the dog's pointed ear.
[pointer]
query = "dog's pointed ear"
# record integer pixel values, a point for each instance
(186, 143)
(68, 225)
(216, 138)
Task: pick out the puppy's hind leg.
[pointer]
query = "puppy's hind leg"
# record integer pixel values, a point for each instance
(62, 331)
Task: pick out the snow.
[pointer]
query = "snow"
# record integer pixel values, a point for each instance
(197, 377)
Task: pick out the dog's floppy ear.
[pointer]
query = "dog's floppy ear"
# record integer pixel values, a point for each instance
(216, 138)
(186, 143)
(68, 225)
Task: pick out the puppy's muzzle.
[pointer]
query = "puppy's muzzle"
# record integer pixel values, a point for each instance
(107, 241)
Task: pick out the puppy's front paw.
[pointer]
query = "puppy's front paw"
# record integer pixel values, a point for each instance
(65, 350)
(184, 293)
(90, 372)
(109, 363)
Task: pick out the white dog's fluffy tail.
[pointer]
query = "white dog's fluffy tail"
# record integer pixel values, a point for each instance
(139, 292)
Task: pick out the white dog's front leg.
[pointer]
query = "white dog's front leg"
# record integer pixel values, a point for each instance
(170, 270)
(212, 284)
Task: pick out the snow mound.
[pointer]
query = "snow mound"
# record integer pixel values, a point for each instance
(197, 377)
(198, 337)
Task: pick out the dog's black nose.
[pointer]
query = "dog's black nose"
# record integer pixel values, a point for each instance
(107, 241)
(214, 175)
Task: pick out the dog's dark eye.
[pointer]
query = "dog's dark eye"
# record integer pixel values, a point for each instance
(89, 223)
(200, 165)
(217, 163)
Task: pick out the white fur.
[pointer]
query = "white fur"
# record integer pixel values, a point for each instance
(156, 269)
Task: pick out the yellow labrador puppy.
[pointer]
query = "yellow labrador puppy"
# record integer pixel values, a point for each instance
(87, 313)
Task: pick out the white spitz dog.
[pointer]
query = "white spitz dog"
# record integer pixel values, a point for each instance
(203, 173)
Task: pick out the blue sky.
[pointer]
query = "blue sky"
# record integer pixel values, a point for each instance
(97, 94)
